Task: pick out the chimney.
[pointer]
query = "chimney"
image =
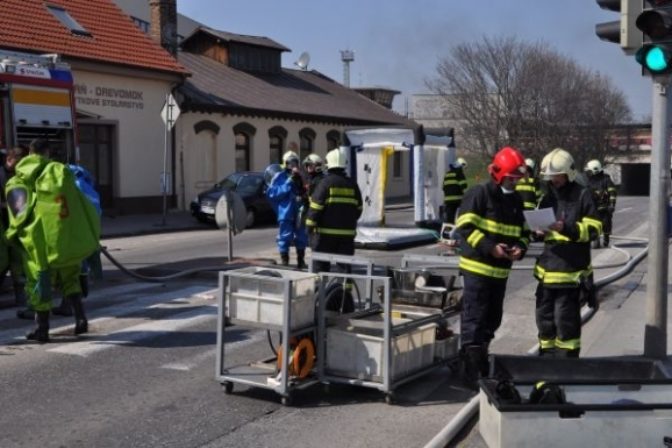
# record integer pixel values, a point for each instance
(163, 27)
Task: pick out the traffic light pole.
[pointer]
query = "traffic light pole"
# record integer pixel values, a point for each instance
(655, 333)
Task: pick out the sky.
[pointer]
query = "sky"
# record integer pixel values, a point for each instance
(398, 43)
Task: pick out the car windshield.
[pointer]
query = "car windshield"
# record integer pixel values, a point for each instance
(230, 182)
(249, 184)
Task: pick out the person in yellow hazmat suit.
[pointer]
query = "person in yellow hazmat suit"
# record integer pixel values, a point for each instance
(56, 228)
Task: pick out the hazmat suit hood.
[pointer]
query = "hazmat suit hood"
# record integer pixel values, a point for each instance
(30, 167)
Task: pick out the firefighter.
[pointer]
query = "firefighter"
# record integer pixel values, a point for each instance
(287, 195)
(56, 228)
(313, 166)
(492, 235)
(604, 195)
(454, 186)
(528, 187)
(564, 267)
(335, 207)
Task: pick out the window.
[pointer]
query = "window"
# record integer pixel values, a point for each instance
(249, 185)
(242, 152)
(396, 164)
(307, 138)
(277, 136)
(333, 140)
(66, 19)
(142, 24)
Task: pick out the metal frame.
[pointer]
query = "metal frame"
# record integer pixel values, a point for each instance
(256, 374)
(346, 259)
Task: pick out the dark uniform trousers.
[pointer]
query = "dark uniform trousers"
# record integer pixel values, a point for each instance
(449, 211)
(482, 308)
(331, 245)
(606, 218)
(558, 315)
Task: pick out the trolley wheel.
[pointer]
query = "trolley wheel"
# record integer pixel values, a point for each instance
(389, 398)
(286, 400)
(228, 387)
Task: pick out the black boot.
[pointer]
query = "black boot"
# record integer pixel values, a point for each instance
(301, 259)
(606, 240)
(81, 324)
(64, 309)
(284, 258)
(596, 243)
(41, 332)
(475, 365)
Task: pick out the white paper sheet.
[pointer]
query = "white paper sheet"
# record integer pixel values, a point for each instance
(539, 219)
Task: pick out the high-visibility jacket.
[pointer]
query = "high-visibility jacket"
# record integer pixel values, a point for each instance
(454, 185)
(335, 206)
(489, 217)
(530, 191)
(604, 191)
(565, 261)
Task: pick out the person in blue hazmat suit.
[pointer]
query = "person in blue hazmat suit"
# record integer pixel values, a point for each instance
(286, 194)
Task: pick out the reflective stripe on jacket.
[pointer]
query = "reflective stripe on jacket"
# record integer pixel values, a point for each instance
(454, 185)
(335, 206)
(489, 217)
(529, 191)
(565, 261)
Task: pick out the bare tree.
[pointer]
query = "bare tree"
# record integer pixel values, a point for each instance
(508, 92)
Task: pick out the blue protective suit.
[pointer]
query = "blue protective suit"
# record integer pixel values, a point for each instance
(286, 197)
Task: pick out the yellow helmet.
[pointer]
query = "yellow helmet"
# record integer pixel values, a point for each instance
(558, 161)
(337, 158)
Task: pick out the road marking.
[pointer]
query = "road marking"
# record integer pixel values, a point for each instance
(101, 315)
(189, 363)
(136, 333)
(626, 209)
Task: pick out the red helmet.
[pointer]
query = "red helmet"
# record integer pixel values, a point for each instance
(508, 162)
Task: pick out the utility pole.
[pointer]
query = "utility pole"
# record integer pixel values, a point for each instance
(655, 333)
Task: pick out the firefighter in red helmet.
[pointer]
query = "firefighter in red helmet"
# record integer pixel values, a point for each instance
(492, 235)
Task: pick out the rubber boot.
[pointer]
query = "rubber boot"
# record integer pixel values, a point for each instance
(81, 324)
(547, 352)
(41, 332)
(301, 259)
(64, 309)
(596, 243)
(606, 240)
(475, 365)
(284, 259)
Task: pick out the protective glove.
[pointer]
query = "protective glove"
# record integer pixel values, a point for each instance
(43, 287)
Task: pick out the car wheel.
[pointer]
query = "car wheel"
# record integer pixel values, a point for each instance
(250, 218)
(201, 218)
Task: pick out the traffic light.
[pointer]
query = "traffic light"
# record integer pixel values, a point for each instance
(655, 22)
(621, 31)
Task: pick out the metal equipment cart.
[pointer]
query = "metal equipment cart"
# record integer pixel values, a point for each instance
(382, 346)
(270, 299)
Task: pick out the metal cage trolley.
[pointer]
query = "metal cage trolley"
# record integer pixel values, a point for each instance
(275, 300)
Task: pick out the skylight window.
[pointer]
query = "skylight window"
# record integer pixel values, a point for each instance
(66, 19)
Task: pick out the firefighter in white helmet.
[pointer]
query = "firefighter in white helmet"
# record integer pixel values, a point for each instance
(528, 187)
(313, 166)
(287, 196)
(335, 207)
(564, 269)
(604, 194)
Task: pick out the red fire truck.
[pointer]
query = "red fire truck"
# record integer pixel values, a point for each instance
(36, 100)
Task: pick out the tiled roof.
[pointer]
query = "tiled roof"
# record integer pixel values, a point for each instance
(260, 41)
(29, 26)
(214, 86)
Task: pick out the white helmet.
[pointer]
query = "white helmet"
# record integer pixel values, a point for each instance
(290, 157)
(337, 158)
(316, 160)
(531, 164)
(558, 161)
(593, 167)
(461, 162)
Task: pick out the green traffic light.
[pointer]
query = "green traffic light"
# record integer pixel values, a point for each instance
(656, 59)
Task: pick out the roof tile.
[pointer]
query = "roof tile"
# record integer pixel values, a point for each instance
(28, 25)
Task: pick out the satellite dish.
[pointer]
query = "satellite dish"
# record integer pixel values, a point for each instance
(230, 211)
(303, 61)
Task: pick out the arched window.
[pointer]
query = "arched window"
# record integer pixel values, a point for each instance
(333, 139)
(243, 133)
(277, 136)
(307, 139)
(242, 152)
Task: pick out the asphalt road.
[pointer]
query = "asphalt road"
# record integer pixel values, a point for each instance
(144, 375)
